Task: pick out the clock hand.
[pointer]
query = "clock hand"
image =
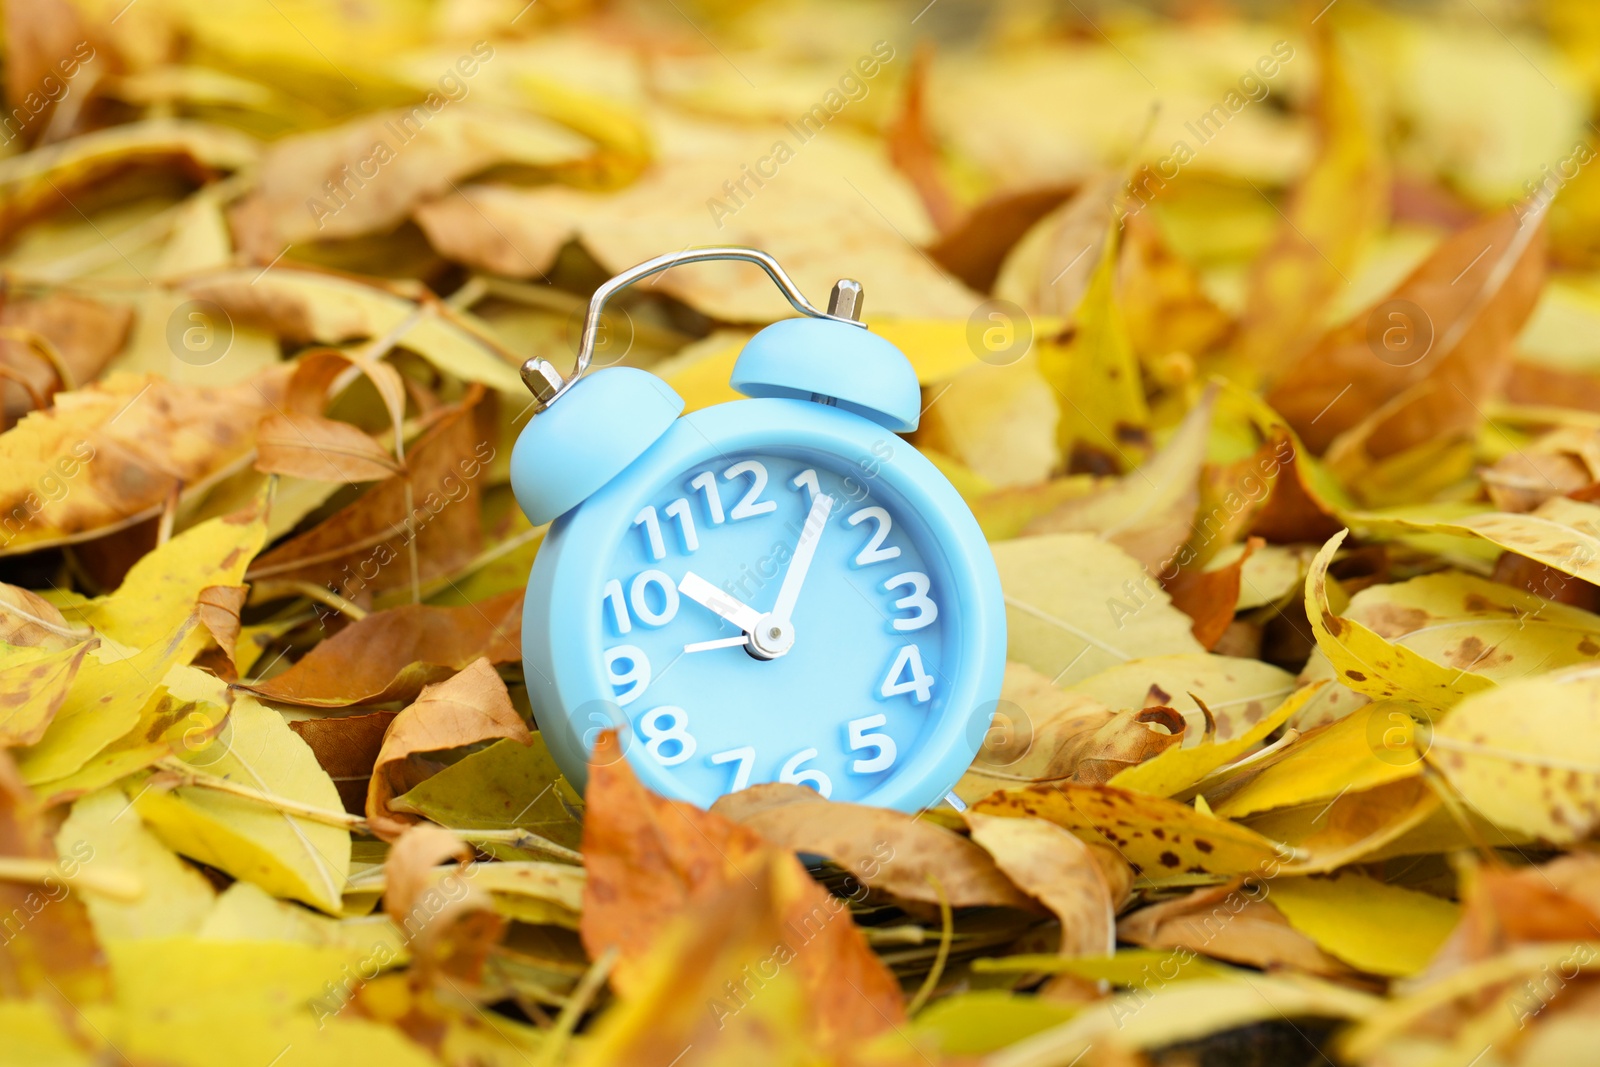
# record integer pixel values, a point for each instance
(800, 562)
(721, 642)
(715, 600)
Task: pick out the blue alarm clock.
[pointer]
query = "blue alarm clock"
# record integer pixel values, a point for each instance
(776, 589)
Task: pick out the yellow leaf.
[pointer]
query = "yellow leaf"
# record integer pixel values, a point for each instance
(122, 446)
(1373, 745)
(1527, 755)
(1335, 210)
(1560, 533)
(1173, 1012)
(1076, 605)
(1373, 665)
(1000, 421)
(1177, 769)
(1239, 692)
(175, 896)
(286, 855)
(304, 306)
(188, 713)
(162, 588)
(1163, 840)
(246, 912)
(986, 1020)
(102, 704)
(34, 683)
(1357, 825)
(32, 182)
(1105, 421)
(1382, 929)
(1149, 512)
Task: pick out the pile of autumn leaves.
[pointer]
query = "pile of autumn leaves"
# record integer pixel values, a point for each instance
(272, 791)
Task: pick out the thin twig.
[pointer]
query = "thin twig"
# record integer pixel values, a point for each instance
(946, 935)
(582, 997)
(519, 839)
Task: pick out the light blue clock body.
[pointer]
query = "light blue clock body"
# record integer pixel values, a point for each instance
(893, 652)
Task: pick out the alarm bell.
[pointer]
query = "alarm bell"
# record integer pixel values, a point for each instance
(590, 426)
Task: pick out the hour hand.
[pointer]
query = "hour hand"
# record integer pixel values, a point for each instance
(715, 600)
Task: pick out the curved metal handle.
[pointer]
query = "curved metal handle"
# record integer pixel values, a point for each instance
(547, 384)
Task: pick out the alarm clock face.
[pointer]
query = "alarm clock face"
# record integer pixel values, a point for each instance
(772, 612)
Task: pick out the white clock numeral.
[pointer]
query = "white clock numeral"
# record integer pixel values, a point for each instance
(920, 684)
(807, 480)
(652, 531)
(675, 732)
(679, 509)
(927, 610)
(874, 552)
(750, 505)
(619, 607)
(792, 773)
(635, 678)
(638, 594)
(706, 482)
(746, 758)
(860, 738)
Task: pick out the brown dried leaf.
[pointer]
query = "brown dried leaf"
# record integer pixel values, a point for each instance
(28, 620)
(430, 511)
(473, 706)
(310, 446)
(1062, 873)
(83, 333)
(1209, 596)
(347, 746)
(652, 861)
(1234, 922)
(451, 931)
(392, 654)
(50, 947)
(888, 850)
(218, 608)
(1473, 293)
(123, 447)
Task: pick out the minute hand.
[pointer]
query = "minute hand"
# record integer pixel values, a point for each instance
(804, 550)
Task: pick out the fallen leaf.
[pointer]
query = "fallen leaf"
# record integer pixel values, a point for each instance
(490, 790)
(37, 332)
(288, 855)
(393, 654)
(1524, 756)
(1371, 664)
(408, 528)
(1148, 513)
(1179, 768)
(1332, 214)
(33, 685)
(652, 861)
(1376, 744)
(1210, 596)
(888, 850)
(1462, 307)
(1238, 693)
(1159, 838)
(315, 186)
(1076, 605)
(1236, 922)
(1383, 929)
(346, 746)
(1061, 872)
(470, 707)
(454, 934)
(1104, 425)
(310, 446)
(123, 445)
